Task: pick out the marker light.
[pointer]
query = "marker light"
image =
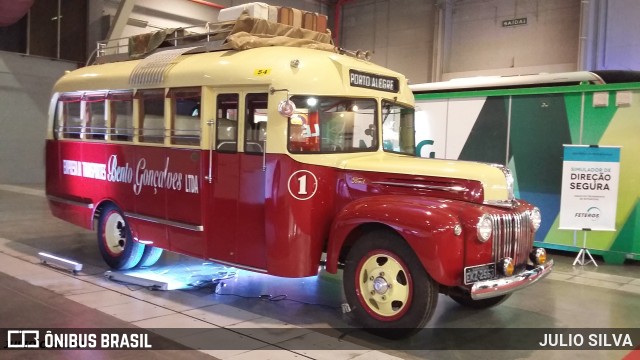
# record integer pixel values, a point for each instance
(507, 266)
(538, 256)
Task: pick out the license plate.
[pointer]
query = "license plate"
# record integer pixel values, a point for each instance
(474, 274)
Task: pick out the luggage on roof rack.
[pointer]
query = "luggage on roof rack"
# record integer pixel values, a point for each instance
(241, 33)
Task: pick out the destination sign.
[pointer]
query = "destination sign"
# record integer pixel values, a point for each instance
(373, 81)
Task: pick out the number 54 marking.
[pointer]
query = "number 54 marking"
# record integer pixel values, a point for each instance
(261, 72)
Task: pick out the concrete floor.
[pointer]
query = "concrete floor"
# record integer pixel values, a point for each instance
(273, 318)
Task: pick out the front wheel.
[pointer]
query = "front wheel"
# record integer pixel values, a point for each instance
(388, 290)
(117, 247)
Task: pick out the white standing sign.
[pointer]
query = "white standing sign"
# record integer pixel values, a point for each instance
(589, 198)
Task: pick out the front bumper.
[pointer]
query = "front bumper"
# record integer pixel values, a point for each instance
(492, 288)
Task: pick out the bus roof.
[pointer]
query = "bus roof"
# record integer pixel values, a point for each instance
(598, 77)
(299, 70)
(281, 65)
(509, 82)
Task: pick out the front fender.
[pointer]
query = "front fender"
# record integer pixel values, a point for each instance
(427, 225)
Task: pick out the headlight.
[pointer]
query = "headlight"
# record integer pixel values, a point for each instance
(536, 218)
(484, 228)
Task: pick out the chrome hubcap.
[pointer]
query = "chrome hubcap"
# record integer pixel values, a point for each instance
(380, 285)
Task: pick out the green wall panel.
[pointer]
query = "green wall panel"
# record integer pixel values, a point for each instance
(488, 139)
(597, 119)
(573, 105)
(539, 128)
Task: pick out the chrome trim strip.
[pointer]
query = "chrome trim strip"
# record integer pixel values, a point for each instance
(239, 266)
(502, 203)
(165, 222)
(492, 288)
(422, 186)
(69, 202)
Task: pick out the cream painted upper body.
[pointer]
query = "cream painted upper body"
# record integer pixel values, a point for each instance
(261, 69)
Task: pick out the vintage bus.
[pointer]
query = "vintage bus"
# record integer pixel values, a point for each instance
(273, 158)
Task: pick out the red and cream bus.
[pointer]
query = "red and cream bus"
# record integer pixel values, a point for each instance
(266, 159)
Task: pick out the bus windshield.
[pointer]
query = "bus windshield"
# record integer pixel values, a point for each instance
(324, 124)
(398, 128)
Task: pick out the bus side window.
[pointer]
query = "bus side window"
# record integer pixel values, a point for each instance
(121, 115)
(185, 116)
(227, 123)
(255, 123)
(68, 116)
(151, 115)
(94, 124)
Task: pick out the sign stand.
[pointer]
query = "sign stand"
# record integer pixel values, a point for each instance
(580, 259)
(589, 193)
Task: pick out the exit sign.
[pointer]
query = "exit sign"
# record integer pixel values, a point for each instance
(514, 22)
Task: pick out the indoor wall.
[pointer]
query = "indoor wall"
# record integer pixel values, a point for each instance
(25, 89)
(434, 40)
(484, 39)
(398, 33)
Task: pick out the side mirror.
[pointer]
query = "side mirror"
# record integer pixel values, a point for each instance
(286, 108)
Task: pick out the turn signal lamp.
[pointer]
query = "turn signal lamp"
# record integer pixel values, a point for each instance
(539, 256)
(507, 266)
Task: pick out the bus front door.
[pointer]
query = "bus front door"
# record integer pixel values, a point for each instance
(236, 215)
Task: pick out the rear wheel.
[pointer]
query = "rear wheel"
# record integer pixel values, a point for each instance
(465, 299)
(387, 288)
(150, 256)
(117, 247)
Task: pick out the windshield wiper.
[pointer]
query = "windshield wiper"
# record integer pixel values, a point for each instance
(388, 108)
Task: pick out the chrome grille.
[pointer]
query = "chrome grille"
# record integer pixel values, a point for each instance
(512, 237)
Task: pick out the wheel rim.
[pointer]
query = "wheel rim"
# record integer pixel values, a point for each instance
(384, 285)
(114, 233)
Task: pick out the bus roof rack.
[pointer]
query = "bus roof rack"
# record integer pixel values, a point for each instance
(244, 33)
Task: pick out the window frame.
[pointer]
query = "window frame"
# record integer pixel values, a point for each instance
(173, 94)
(376, 120)
(140, 97)
(219, 142)
(115, 97)
(249, 114)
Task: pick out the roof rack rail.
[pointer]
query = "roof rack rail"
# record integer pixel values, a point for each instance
(243, 33)
(139, 46)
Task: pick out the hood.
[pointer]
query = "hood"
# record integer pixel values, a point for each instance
(496, 180)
